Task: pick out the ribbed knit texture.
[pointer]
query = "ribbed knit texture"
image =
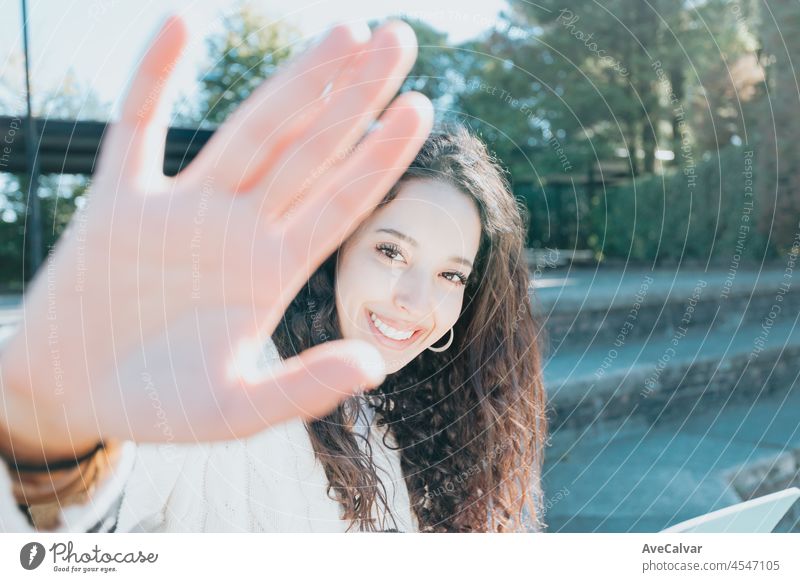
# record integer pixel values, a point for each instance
(270, 482)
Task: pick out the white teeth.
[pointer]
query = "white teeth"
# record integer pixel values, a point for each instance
(389, 331)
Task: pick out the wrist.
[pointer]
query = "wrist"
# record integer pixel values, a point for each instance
(22, 438)
(46, 494)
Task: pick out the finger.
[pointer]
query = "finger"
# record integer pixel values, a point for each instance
(274, 112)
(340, 201)
(136, 143)
(307, 386)
(358, 96)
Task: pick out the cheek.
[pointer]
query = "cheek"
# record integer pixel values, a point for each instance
(360, 280)
(448, 310)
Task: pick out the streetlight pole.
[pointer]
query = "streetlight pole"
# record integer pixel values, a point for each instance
(33, 215)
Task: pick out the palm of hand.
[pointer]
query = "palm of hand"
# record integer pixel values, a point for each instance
(133, 328)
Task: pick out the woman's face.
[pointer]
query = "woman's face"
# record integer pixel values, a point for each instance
(400, 277)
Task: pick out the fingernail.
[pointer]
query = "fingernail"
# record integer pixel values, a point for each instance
(405, 35)
(359, 30)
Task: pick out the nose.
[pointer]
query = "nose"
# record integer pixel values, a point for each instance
(412, 294)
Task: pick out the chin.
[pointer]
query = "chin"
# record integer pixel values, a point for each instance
(393, 364)
(393, 368)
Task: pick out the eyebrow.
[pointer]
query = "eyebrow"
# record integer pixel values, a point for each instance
(413, 242)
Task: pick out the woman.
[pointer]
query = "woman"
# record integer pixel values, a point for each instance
(450, 441)
(436, 280)
(467, 412)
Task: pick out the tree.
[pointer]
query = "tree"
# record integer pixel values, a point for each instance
(435, 72)
(247, 51)
(778, 157)
(59, 194)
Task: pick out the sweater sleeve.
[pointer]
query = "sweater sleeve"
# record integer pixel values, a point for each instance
(96, 513)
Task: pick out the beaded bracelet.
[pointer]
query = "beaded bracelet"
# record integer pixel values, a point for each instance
(41, 495)
(51, 466)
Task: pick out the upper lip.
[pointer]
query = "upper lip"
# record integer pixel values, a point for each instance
(396, 324)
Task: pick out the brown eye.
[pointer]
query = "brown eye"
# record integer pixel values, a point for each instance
(459, 278)
(389, 250)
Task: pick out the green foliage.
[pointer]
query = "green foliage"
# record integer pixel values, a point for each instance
(247, 51)
(435, 72)
(597, 81)
(561, 94)
(705, 214)
(58, 194)
(779, 125)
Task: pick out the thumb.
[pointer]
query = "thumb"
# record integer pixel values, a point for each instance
(307, 386)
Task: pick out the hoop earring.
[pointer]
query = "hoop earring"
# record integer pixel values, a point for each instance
(443, 348)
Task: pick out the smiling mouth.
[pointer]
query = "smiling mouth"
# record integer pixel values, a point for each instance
(389, 336)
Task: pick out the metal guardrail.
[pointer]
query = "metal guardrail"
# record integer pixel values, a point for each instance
(67, 146)
(551, 258)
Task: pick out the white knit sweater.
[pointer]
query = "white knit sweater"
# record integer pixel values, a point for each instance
(270, 482)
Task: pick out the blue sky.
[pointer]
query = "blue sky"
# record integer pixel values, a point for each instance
(101, 40)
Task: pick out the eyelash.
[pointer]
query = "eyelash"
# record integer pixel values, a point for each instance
(393, 248)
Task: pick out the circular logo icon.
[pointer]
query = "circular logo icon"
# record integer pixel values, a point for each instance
(31, 555)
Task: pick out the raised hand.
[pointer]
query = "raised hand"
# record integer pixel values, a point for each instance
(134, 328)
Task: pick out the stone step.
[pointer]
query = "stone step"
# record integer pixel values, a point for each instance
(665, 376)
(637, 476)
(580, 308)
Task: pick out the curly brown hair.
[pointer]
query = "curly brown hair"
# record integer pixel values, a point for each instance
(470, 422)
